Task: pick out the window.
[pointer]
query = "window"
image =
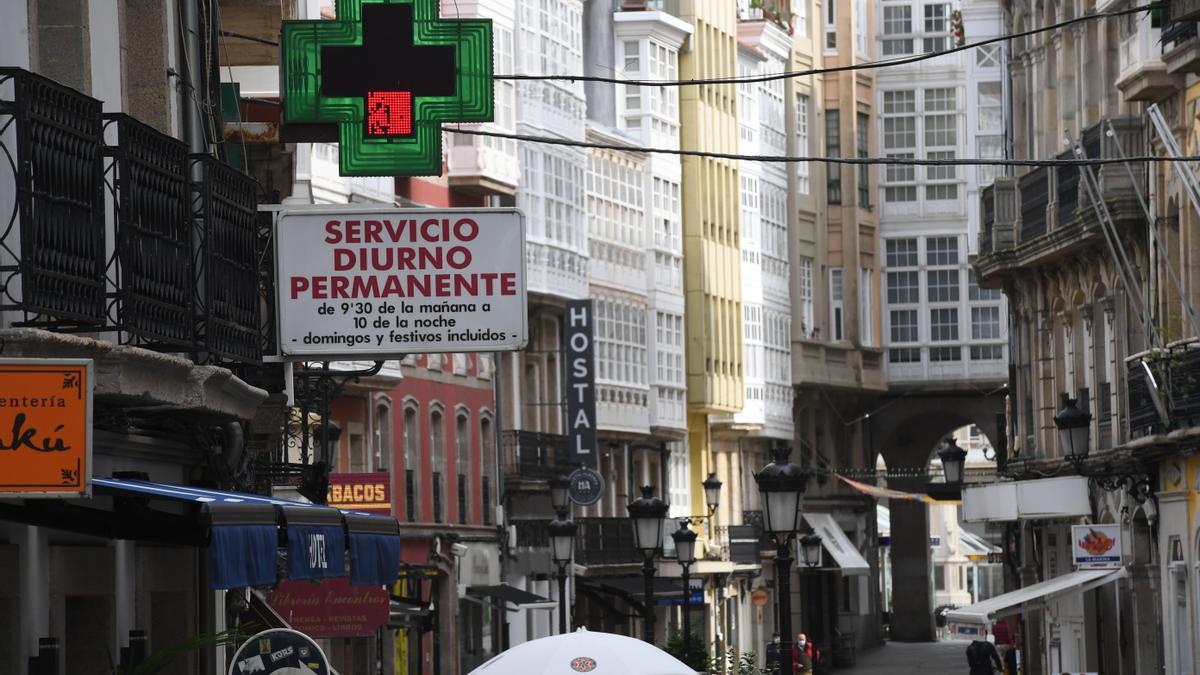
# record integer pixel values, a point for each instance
(937, 22)
(940, 130)
(668, 350)
(462, 456)
(989, 147)
(897, 20)
(866, 313)
(383, 437)
(942, 285)
(862, 132)
(802, 140)
(860, 27)
(487, 448)
(941, 178)
(616, 209)
(941, 251)
(633, 67)
(903, 287)
(621, 345)
(666, 215)
(903, 324)
(437, 455)
(412, 465)
(904, 355)
(831, 25)
(899, 142)
(943, 354)
(989, 353)
(987, 56)
(901, 252)
(800, 18)
(804, 266)
(835, 303)
(985, 323)
(833, 148)
(943, 324)
(939, 577)
(989, 105)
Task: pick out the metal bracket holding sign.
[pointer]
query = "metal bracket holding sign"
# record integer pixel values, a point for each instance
(359, 283)
(46, 418)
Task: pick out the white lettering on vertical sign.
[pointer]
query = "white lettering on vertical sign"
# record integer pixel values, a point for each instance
(316, 552)
(581, 382)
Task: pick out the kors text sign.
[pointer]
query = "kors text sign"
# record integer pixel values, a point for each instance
(384, 282)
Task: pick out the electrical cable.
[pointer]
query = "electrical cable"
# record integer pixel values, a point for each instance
(866, 65)
(894, 161)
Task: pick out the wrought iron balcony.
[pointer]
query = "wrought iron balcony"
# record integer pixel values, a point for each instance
(183, 274)
(1170, 376)
(605, 541)
(1035, 196)
(533, 455)
(1188, 10)
(987, 213)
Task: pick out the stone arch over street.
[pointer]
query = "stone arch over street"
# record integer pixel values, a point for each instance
(906, 430)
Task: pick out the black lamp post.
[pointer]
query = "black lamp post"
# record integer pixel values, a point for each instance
(559, 491)
(712, 492)
(685, 554)
(781, 484)
(1074, 432)
(953, 458)
(810, 547)
(648, 513)
(562, 543)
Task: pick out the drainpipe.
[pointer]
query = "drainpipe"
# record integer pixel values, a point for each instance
(193, 125)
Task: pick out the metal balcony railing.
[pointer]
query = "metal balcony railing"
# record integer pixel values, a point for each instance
(534, 455)
(605, 541)
(1175, 31)
(1067, 180)
(184, 274)
(988, 217)
(156, 305)
(52, 271)
(1035, 196)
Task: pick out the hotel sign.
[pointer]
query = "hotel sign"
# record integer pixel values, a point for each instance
(581, 382)
(45, 427)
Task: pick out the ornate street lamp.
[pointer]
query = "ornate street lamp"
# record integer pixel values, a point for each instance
(952, 458)
(1074, 432)
(685, 554)
(781, 485)
(562, 543)
(648, 513)
(712, 492)
(559, 491)
(810, 547)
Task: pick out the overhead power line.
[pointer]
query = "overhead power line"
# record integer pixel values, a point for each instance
(866, 65)
(792, 159)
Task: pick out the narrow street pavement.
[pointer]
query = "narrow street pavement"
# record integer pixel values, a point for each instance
(912, 658)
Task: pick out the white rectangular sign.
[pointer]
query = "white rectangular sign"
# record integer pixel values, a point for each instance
(380, 282)
(1096, 545)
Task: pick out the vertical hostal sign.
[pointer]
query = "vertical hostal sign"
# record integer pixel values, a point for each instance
(45, 427)
(581, 381)
(381, 78)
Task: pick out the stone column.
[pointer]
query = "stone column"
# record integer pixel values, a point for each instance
(912, 572)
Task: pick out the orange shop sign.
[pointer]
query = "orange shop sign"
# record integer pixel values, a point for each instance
(46, 427)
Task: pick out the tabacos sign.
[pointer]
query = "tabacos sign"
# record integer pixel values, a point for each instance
(45, 427)
(368, 492)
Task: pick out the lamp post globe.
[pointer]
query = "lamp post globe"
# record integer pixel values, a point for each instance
(712, 492)
(810, 547)
(685, 544)
(1074, 430)
(562, 538)
(953, 458)
(648, 513)
(559, 492)
(781, 485)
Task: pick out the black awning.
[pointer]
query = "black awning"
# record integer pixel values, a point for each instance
(507, 593)
(633, 586)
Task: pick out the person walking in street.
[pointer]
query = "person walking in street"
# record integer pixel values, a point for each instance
(772, 654)
(1005, 644)
(981, 654)
(804, 655)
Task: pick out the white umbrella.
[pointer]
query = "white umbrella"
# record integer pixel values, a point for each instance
(584, 652)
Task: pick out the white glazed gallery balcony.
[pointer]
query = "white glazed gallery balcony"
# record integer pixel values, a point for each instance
(553, 269)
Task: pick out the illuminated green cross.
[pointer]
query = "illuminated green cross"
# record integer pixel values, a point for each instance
(387, 73)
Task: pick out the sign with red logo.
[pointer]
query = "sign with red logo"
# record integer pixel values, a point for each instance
(1096, 545)
(367, 492)
(331, 608)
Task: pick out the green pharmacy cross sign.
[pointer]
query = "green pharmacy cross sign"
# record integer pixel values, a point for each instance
(385, 75)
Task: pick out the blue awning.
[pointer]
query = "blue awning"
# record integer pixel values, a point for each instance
(244, 535)
(374, 549)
